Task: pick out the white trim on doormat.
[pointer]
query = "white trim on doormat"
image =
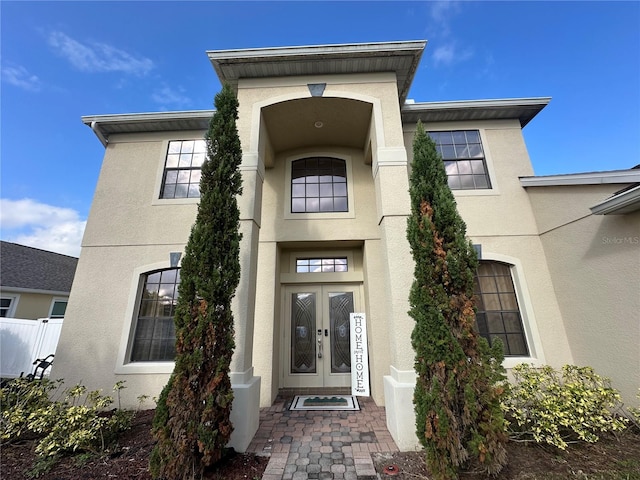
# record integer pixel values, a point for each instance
(324, 402)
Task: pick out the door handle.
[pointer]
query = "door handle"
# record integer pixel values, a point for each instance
(319, 346)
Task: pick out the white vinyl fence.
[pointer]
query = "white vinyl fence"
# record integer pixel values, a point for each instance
(23, 341)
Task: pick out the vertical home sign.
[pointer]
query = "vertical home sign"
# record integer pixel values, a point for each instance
(359, 355)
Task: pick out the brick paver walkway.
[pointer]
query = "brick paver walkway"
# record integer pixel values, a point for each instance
(319, 444)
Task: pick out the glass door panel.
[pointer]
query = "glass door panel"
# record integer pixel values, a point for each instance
(340, 306)
(317, 334)
(303, 333)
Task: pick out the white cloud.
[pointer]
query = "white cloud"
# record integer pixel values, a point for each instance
(18, 76)
(43, 226)
(441, 13)
(98, 57)
(448, 54)
(168, 97)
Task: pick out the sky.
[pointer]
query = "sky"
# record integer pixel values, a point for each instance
(64, 60)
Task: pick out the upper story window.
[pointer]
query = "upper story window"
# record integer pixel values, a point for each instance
(181, 177)
(498, 314)
(319, 184)
(155, 337)
(463, 157)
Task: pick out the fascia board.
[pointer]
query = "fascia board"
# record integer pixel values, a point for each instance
(590, 178)
(627, 201)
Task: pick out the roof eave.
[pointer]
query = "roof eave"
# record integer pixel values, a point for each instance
(522, 109)
(231, 65)
(621, 203)
(588, 178)
(106, 125)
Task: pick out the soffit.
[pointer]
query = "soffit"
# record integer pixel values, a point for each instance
(292, 124)
(402, 58)
(522, 109)
(151, 122)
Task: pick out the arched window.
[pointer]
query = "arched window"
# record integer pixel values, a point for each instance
(155, 337)
(319, 184)
(498, 314)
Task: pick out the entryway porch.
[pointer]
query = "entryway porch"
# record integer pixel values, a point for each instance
(321, 444)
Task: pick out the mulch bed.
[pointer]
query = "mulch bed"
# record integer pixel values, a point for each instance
(130, 460)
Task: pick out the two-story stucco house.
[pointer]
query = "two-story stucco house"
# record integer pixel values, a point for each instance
(326, 135)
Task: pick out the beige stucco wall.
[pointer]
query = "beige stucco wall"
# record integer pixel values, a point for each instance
(595, 264)
(32, 306)
(128, 231)
(502, 221)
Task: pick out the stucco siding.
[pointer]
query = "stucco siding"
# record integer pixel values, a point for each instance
(595, 264)
(99, 318)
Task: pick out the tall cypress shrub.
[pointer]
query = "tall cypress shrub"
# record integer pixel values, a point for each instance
(192, 425)
(457, 394)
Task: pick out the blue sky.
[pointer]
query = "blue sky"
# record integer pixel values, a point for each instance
(63, 60)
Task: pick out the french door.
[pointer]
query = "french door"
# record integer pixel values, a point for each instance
(316, 349)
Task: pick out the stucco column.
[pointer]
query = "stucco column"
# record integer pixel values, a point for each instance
(245, 413)
(393, 205)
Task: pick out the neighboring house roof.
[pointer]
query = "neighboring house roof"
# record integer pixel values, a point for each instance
(25, 268)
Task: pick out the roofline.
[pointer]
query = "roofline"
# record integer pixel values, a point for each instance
(59, 293)
(534, 104)
(317, 58)
(306, 50)
(147, 117)
(624, 202)
(588, 178)
(486, 103)
(99, 122)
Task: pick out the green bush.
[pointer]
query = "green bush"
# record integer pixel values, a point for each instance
(554, 407)
(77, 422)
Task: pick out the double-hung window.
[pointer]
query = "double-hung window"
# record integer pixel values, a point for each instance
(181, 178)
(464, 159)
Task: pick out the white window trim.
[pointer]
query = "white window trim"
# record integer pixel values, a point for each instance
(529, 324)
(156, 200)
(351, 213)
(53, 302)
(15, 298)
(123, 365)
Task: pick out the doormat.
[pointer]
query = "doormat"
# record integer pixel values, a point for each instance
(324, 402)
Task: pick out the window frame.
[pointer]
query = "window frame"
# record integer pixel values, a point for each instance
(156, 199)
(289, 215)
(156, 318)
(456, 160)
(530, 329)
(13, 304)
(123, 364)
(53, 303)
